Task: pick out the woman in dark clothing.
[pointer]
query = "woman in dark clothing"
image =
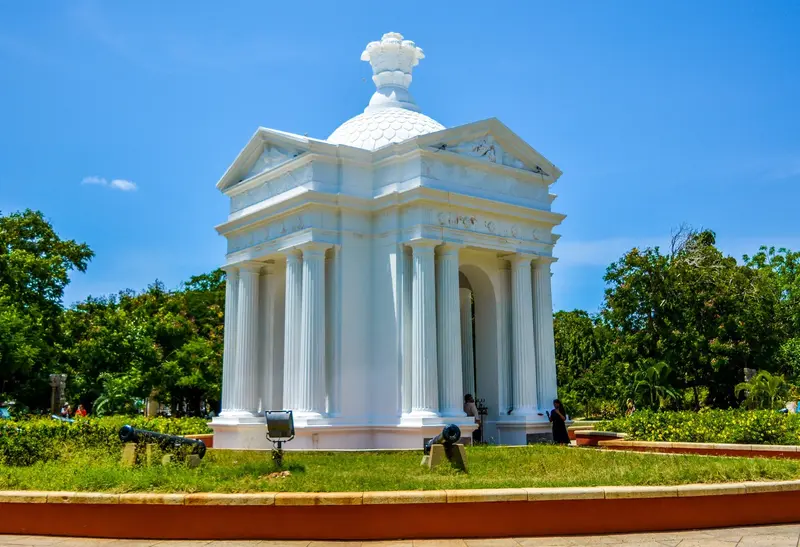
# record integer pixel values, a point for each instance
(558, 417)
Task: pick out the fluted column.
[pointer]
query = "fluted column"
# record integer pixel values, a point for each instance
(505, 398)
(424, 381)
(467, 345)
(523, 356)
(244, 395)
(407, 275)
(448, 328)
(543, 321)
(292, 329)
(229, 339)
(311, 402)
(265, 309)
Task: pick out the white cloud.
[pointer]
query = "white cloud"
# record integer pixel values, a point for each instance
(94, 180)
(116, 184)
(124, 185)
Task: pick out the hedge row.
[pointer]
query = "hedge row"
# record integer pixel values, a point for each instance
(25, 442)
(709, 426)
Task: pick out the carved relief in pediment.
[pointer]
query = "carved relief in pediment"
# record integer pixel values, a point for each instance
(284, 183)
(487, 149)
(271, 157)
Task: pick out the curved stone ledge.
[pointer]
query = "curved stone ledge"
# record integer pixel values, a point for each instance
(706, 449)
(507, 512)
(401, 497)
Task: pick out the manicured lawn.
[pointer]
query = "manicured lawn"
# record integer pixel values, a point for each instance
(490, 467)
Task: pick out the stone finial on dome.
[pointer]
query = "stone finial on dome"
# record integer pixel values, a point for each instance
(392, 59)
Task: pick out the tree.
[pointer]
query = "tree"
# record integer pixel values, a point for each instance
(124, 347)
(702, 314)
(764, 391)
(585, 377)
(35, 264)
(653, 384)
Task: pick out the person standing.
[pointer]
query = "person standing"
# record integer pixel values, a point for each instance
(80, 412)
(471, 409)
(558, 417)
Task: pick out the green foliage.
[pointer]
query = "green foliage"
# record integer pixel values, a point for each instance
(702, 315)
(709, 426)
(26, 442)
(489, 467)
(585, 373)
(677, 331)
(764, 391)
(34, 269)
(653, 384)
(123, 348)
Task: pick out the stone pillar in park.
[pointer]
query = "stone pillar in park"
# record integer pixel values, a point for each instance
(310, 403)
(229, 336)
(245, 392)
(467, 343)
(425, 388)
(543, 320)
(292, 330)
(448, 329)
(523, 355)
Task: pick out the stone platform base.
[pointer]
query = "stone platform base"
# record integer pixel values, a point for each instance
(522, 430)
(328, 435)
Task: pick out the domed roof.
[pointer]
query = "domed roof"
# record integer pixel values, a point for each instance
(377, 128)
(392, 115)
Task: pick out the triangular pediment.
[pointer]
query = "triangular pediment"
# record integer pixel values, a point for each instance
(271, 157)
(268, 150)
(492, 142)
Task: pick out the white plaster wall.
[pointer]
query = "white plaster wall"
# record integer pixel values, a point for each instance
(385, 328)
(355, 341)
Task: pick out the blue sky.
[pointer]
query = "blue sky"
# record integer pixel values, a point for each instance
(658, 113)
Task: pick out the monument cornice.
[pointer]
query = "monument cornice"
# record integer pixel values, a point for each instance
(443, 197)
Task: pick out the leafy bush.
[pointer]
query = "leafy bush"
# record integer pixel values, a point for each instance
(709, 426)
(25, 442)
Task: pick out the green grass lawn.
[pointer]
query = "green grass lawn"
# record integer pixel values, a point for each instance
(490, 467)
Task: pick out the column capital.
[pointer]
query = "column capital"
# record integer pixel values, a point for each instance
(313, 248)
(230, 269)
(251, 267)
(520, 259)
(542, 261)
(448, 248)
(423, 245)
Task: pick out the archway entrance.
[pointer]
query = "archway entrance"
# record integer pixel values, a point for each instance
(479, 343)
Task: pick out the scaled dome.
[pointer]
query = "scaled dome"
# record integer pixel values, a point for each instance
(376, 128)
(392, 115)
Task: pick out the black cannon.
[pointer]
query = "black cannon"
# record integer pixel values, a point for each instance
(129, 434)
(448, 437)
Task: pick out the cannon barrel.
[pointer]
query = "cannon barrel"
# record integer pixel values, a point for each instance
(129, 434)
(448, 437)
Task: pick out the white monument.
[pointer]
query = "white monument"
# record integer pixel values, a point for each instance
(377, 276)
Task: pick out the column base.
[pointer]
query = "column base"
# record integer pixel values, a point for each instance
(523, 430)
(453, 414)
(307, 418)
(528, 412)
(238, 417)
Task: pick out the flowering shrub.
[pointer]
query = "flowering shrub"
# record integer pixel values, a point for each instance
(709, 426)
(25, 442)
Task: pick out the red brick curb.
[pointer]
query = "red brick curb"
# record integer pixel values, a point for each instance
(399, 515)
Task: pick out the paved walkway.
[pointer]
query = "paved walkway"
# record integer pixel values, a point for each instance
(787, 535)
